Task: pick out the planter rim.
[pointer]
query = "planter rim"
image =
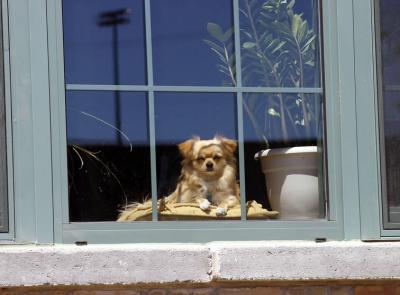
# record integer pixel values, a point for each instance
(286, 151)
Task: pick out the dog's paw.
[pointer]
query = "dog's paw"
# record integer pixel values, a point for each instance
(220, 211)
(205, 205)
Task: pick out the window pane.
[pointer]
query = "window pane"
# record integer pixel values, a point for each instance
(388, 46)
(108, 153)
(104, 42)
(293, 166)
(3, 165)
(179, 117)
(280, 43)
(3, 156)
(189, 42)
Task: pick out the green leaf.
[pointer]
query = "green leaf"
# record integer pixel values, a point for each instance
(216, 31)
(308, 42)
(296, 23)
(249, 45)
(227, 35)
(278, 47)
(213, 45)
(291, 4)
(310, 63)
(302, 32)
(220, 55)
(273, 113)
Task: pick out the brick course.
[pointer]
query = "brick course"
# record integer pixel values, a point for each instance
(376, 289)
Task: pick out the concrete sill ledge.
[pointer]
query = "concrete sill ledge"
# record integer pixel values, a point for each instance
(130, 264)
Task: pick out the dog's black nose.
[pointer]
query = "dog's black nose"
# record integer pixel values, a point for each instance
(209, 165)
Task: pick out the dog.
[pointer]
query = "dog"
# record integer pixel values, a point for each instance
(208, 174)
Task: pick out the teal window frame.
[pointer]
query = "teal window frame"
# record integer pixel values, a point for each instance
(3, 145)
(37, 122)
(187, 230)
(6, 233)
(372, 190)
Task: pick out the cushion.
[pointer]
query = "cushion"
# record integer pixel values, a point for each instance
(190, 211)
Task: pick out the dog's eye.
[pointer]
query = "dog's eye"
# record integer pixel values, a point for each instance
(217, 157)
(200, 159)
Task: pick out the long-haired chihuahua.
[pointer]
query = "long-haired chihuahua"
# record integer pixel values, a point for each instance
(208, 174)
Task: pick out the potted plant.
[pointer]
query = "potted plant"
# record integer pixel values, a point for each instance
(279, 49)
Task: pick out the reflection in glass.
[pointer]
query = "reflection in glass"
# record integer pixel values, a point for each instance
(3, 168)
(104, 42)
(283, 119)
(388, 46)
(179, 117)
(280, 43)
(276, 121)
(190, 38)
(108, 153)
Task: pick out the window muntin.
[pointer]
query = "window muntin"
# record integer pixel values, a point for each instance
(287, 93)
(388, 39)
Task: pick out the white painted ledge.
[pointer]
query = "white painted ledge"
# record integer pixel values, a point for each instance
(197, 263)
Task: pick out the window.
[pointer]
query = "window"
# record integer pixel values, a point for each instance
(73, 120)
(128, 85)
(171, 71)
(389, 64)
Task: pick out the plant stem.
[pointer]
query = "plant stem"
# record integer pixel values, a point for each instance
(229, 66)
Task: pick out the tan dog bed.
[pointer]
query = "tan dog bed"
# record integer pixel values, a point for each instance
(189, 211)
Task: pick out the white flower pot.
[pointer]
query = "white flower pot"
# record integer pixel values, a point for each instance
(292, 181)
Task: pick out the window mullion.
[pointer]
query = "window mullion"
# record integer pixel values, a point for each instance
(239, 100)
(152, 133)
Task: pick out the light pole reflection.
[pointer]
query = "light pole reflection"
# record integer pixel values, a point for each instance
(113, 19)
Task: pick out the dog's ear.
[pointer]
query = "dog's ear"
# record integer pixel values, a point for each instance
(230, 145)
(185, 148)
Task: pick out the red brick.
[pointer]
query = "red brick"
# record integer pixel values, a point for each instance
(317, 291)
(376, 290)
(251, 291)
(203, 292)
(296, 291)
(342, 291)
(180, 292)
(129, 292)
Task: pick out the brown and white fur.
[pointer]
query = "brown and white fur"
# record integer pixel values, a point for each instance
(208, 174)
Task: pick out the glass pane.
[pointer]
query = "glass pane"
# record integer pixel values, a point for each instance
(191, 38)
(104, 42)
(285, 132)
(196, 167)
(388, 46)
(280, 43)
(3, 160)
(3, 145)
(3, 166)
(108, 153)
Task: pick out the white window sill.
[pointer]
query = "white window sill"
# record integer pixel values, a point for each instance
(198, 263)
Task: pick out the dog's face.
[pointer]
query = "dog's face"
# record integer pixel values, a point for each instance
(208, 157)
